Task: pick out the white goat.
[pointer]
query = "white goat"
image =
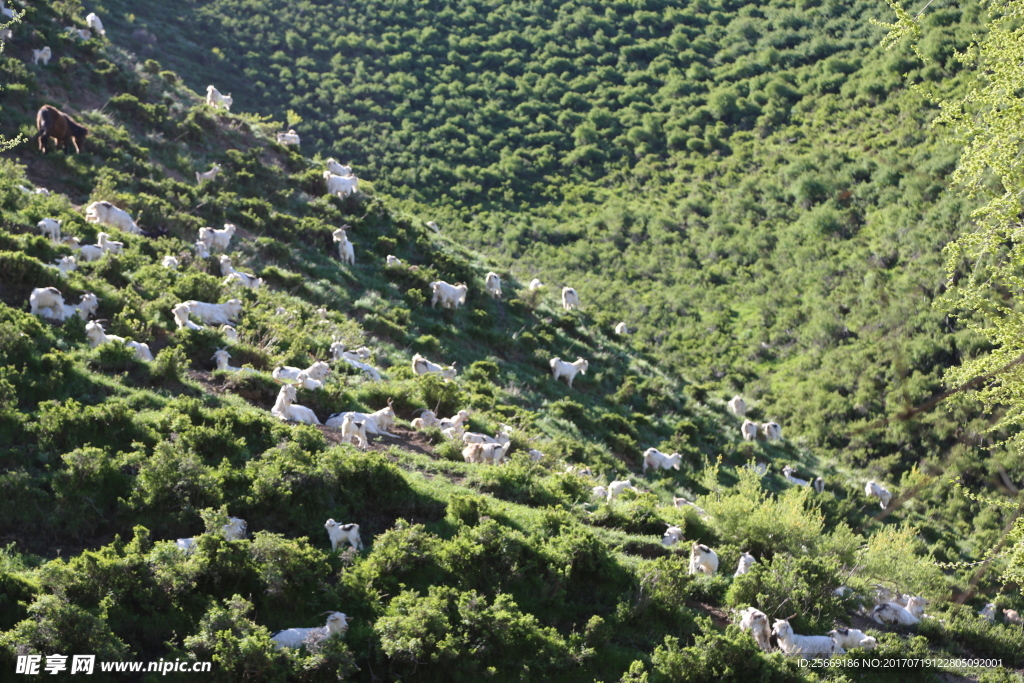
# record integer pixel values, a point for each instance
(621, 329)
(346, 252)
(214, 314)
(746, 562)
(422, 366)
(66, 264)
(94, 23)
(450, 296)
(787, 472)
(535, 284)
(378, 423)
(206, 176)
(221, 356)
(1012, 616)
(105, 213)
(88, 252)
(228, 271)
(682, 502)
(493, 285)
(749, 430)
(600, 493)
(535, 455)
(570, 299)
(50, 227)
(47, 302)
(309, 378)
(289, 138)
(893, 613)
(84, 309)
(560, 368)
(42, 55)
(352, 432)
(756, 621)
(494, 453)
(807, 647)
(180, 313)
(703, 559)
(772, 431)
(616, 488)
(737, 406)
(285, 407)
(672, 536)
(96, 335)
(170, 262)
(230, 333)
(202, 251)
(337, 169)
(294, 638)
(108, 245)
(342, 186)
(819, 485)
(393, 261)
(879, 492)
(427, 419)
(659, 461)
(849, 638)
(343, 533)
(217, 239)
(234, 530)
(457, 421)
(215, 99)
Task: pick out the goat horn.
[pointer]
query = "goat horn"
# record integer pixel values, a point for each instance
(390, 401)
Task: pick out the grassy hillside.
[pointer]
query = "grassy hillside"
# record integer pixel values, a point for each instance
(750, 186)
(508, 572)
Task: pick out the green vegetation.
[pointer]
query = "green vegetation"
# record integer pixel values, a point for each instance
(748, 186)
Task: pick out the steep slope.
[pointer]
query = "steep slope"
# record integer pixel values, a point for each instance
(508, 572)
(749, 185)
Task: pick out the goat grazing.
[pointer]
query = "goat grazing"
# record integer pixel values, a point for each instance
(659, 461)
(879, 492)
(616, 488)
(749, 430)
(340, 185)
(450, 296)
(105, 213)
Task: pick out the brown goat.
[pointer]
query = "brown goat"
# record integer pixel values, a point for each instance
(53, 123)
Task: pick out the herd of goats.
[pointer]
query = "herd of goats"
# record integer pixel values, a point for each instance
(357, 427)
